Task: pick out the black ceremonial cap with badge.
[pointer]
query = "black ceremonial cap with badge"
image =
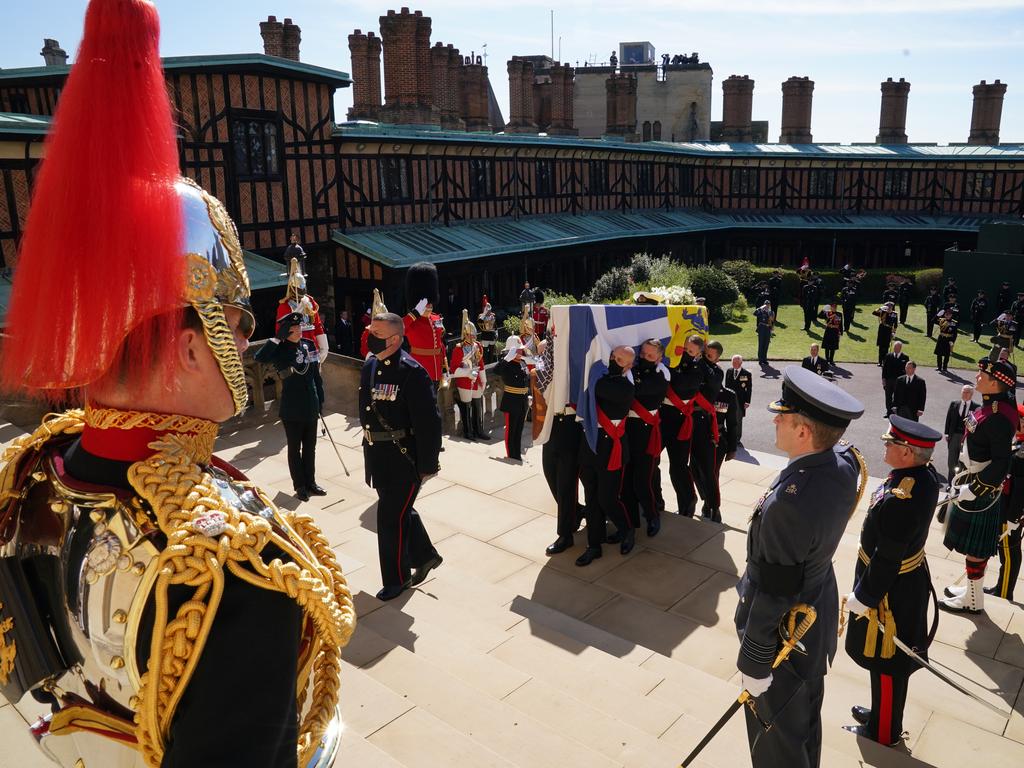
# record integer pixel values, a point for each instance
(891, 575)
(794, 532)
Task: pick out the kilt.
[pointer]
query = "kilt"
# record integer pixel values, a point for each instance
(974, 533)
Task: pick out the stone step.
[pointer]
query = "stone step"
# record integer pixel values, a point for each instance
(514, 734)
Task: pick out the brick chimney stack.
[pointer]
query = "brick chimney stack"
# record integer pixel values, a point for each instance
(737, 108)
(892, 125)
(620, 90)
(365, 50)
(446, 92)
(272, 31)
(475, 102)
(290, 39)
(408, 75)
(520, 91)
(454, 87)
(53, 55)
(987, 114)
(796, 111)
(562, 116)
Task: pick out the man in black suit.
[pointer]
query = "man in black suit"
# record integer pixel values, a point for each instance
(453, 305)
(815, 363)
(909, 394)
(893, 366)
(954, 429)
(343, 334)
(739, 380)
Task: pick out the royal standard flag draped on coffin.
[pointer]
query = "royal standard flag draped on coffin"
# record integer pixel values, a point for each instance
(584, 336)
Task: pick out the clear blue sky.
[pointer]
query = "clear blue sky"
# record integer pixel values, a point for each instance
(847, 47)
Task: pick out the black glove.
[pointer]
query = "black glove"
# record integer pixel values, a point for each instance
(283, 331)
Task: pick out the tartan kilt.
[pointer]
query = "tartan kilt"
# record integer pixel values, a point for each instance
(975, 533)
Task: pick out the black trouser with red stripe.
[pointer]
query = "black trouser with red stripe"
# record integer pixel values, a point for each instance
(704, 461)
(560, 459)
(888, 698)
(603, 488)
(642, 488)
(514, 407)
(678, 460)
(402, 541)
(1009, 562)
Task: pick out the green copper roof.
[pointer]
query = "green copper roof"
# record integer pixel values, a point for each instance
(264, 272)
(368, 131)
(398, 247)
(12, 122)
(227, 61)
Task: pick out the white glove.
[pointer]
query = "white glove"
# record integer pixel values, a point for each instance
(855, 606)
(1011, 527)
(756, 686)
(421, 306)
(963, 493)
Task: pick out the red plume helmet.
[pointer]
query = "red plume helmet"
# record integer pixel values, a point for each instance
(102, 249)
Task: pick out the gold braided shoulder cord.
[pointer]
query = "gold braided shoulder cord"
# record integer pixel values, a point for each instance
(70, 422)
(205, 537)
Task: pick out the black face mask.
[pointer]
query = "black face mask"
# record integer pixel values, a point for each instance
(614, 369)
(376, 344)
(645, 366)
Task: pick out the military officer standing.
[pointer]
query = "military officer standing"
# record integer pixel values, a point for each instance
(794, 532)
(948, 329)
(301, 402)
(1004, 298)
(978, 309)
(834, 328)
(297, 299)
(1012, 504)
(765, 324)
(602, 468)
(467, 370)
(811, 297)
(401, 442)
(726, 413)
(932, 305)
(975, 517)
(739, 380)
(775, 290)
(887, 322)
(891, 583)
(515, 398)
(848, 300)
(903, 291)
(815, 362)
(893, 366)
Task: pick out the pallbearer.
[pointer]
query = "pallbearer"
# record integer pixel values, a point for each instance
(1012, 504)
(892, 587)
(643, 430)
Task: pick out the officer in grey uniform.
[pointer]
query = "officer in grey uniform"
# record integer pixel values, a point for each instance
(793, 536)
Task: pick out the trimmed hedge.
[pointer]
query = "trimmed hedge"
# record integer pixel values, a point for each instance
(610, 287)
(719, 290)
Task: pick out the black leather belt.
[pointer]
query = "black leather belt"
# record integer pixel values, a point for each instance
(392, 436)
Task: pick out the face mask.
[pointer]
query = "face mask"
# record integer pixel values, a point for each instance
(614, 368)
(375, 344)
(645, 366)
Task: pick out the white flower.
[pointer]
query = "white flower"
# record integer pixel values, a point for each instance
(674, 294)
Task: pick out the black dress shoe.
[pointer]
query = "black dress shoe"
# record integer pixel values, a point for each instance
(390, 593)
(561, 544)
(421, 572)
(863, 732)
(860, 714)
(590, 554)
(628, 541)
(712, 516)
(316, 490)
(614, 538)
(653, 526)
(301, 494)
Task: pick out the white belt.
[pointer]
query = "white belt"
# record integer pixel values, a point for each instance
(974, 467)
(666, 401)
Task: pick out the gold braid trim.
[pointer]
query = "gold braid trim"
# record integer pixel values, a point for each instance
(203, 432)
(53, 424)
(185, 504)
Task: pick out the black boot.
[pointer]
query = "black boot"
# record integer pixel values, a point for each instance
(590, 554)
(477, 418)
(464, 418)
(861, 714)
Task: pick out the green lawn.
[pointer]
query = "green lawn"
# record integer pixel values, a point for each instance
(792, 342)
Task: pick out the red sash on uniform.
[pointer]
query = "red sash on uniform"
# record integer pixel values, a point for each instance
(651, 419)
(615, 433)
(686, 430)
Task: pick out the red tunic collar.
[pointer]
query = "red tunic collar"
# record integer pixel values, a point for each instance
(126, 435)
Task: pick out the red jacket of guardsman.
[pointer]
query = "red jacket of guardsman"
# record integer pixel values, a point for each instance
(424, 330)
(297, 300)
(540, 314)
(472, 383)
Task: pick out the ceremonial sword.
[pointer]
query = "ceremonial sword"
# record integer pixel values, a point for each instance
(328, 433)
(795, 632)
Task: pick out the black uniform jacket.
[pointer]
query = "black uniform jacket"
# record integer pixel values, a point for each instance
(395, 394)
(978, 307)
(727, 413)
(1013, 490)
(895, 530)
(894, 366)
(248, 703)
(649, 388)
(793, 536)
(955, 424)
(932, 304)
(887, 324)
(513, 374)
(910, 395)
(614, 395)
(742, 383)
(990, 429)
(302, 389)
(819, 365)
